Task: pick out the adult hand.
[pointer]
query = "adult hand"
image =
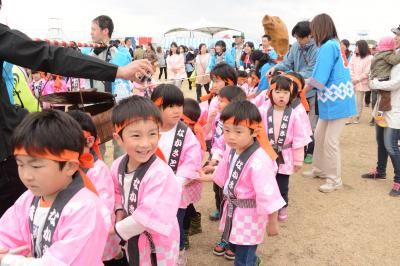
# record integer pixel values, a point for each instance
(270, 72)
(133, 71)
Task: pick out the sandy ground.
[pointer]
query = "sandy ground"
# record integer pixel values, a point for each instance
(353, 226)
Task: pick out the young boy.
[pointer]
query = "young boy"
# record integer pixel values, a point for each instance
(58, 216)
(148, 196)
(247, 176)
(180, 148)
(100, 175)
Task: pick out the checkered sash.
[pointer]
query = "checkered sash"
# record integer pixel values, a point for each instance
(133, 243)
(53, 216)
(279, 145)
(177, 146)
(233, 202)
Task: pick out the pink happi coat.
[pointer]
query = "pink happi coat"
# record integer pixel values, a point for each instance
(297, 135)
(50, 89)
(138, 88)
(80, 235)
(158, 201)
(189, 166)
(260, 99)
(75, 84)
(218, 144)
(257, 181)
(100, 175)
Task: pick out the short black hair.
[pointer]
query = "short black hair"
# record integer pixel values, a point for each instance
(105, 22)
(222, 44)
(232, 93)
(282, 83)
(49, 130)
(224, 71)
(191, 109)
(302, 29)
(267, 36)
(170, 94)
(242, 74)
(241, 110)
(262, 58)
(135, 106)
(85, 121)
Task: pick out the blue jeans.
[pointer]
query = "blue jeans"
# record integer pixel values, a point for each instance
(181, 216)
(244, 255)
(388, 145)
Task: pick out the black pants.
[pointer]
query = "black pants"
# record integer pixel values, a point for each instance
(371, 97)
(283, 184)
(309, 149)
(163, 69)
(11, 186)
(198, 90)
(218, 197)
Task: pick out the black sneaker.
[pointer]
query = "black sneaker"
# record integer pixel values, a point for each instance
(374, 175)
(395, 192)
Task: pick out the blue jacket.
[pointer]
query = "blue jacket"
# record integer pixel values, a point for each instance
(332, 79)
(9, 79)
(264, 84)
(227, 59)
(295, 60)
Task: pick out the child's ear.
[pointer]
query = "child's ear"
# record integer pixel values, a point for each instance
(71, 167)
(118, 138)
(256, 132)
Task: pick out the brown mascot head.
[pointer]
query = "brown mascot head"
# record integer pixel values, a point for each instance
(276, 28)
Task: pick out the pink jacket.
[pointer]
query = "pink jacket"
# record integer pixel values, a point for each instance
(176, 66)
(80, 235)
(158, 202)
(257, 181)
(297, 135)
(359, 70)
(259, 99)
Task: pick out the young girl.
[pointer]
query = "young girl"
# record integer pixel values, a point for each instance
(37, 84)
(58, 221)
(148, 194)
(243, 79)
(144, 88)
(180, 148)
(192, 220)
(247, 176)
(286, 133)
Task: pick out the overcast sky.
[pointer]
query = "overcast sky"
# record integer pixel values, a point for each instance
(153, 18)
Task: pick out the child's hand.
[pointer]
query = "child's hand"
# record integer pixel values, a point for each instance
(3, 252)
(212, 116)
(272, 229)
(205, 177)
(213, 162)
(119, 215)
(208, 169)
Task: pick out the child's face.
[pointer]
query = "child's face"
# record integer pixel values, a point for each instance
(222, 103)
(139, 140)
(238, 137)
(36, 76)
(241, 81)
(281, 97)
(43, 177)
(171, 115)
(217, 85)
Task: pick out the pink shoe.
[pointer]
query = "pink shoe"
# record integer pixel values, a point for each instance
(282, 215)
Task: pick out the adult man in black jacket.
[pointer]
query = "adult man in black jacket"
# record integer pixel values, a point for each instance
(19, 49)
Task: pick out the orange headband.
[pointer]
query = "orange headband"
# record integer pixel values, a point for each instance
(262, 137)
(96, 143)
(242, 79)
(197, 129)
(273, 87)
(159, 101)
(119, 127)
(229, 81)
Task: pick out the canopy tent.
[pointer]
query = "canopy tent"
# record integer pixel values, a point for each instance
(207, 30)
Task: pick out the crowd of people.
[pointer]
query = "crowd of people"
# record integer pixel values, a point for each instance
(262, 118)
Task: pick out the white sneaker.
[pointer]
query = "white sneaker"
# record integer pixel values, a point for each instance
(182, 260)
(310, 174)
(331, 186)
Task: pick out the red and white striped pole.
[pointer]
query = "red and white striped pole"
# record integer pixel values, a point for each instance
(69, 43)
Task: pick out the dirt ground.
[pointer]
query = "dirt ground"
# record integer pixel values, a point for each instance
(352, 226)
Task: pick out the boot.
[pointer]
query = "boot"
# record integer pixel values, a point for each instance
(195, 225)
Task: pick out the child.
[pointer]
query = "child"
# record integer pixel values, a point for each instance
(286, 133)
(180, 148)
(148, 194)
(144, 88)
(58, 216)
(100, 175)
(253, 81)
(192, 220)
(37, 84)
(247, 176)
(242, 82)
(382, 63)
